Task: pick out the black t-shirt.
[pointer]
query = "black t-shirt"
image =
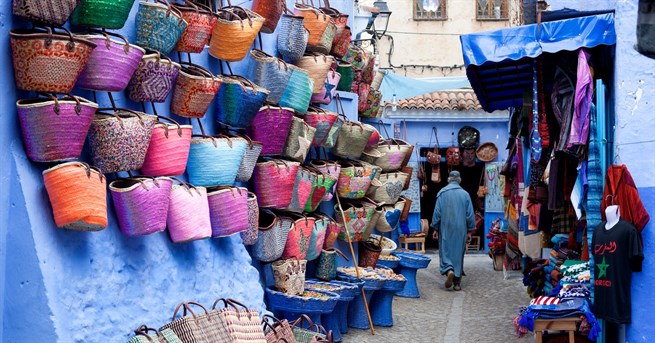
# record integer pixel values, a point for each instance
(617, 253)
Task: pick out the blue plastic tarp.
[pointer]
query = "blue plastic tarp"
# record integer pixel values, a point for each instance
(499, 63)
(405, 87)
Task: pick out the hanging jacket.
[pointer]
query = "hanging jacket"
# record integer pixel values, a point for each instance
(620, 190)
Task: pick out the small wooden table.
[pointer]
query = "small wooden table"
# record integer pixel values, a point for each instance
(418, 240)
(562, 324)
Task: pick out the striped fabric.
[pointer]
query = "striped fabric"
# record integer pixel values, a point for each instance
(544, 300)
(594, 175)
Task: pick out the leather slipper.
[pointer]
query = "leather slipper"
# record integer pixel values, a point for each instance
(450, 277)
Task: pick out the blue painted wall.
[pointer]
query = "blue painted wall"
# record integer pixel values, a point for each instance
(62, 286)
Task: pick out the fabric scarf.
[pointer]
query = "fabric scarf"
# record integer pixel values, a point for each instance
(594, 175)
(584, 91)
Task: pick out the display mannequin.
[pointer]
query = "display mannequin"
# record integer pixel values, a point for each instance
(613, 215)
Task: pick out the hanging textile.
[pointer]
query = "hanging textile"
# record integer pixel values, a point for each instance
(494, 197)
(594, 174)
(620, 190)
(562, 100)
(535, 137)
(543, 117)
(584, 92)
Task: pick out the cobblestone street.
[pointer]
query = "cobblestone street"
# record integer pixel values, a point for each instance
(481, 312)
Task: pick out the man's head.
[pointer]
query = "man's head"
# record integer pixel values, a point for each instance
(454, 177)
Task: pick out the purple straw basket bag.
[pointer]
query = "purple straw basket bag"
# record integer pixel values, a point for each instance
(271, 127)
(188, 214)
(111, 64)
(54, 129)
(141, 204)
(228, 210)
(153, 78)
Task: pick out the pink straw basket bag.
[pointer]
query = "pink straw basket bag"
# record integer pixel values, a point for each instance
(55, 129)
(141, 204)
(168, 150)
(188, 214)
(299, 237)
(228, 210)
(274, 183)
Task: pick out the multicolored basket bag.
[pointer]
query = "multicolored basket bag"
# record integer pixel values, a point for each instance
(195, 89)
(329, 89)
(253, 151)
(194, 327)
(318, 238)
(273, 234)
(78, 195)
(46, 61)
(358, 221)
(270, 73)
(332, 170)
(55, 129)
(141, 204)
(292, 38)
(119, 141)
(325, 44)
(108, 14)
(234, 33)
(341, 42)
(356, 56)
(389, 218)
(249, 237)
(388, 188)
(200, 23)
(188, 213)
(168, 150)
(355, 178)
(228, 210)
(317, 66)
(215, 161)
(323, 183)
(299, 237)
(302, 189)
(159, 26)
(289, 275)
(271, 11)
(352, 140)
(331, 234)
(141, 335)
(322, 120)
(279, 331)
(299, 140)
(274, 183)
(373, 101)
(362, 90)
(111, 64)
(238, 101)
(298, 93)
(153, 78)
(237, 322)
(271, 127)
(48, 12)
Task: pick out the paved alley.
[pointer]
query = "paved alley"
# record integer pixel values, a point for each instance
(481, 312)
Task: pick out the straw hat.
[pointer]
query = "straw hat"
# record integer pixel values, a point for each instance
(487, 152)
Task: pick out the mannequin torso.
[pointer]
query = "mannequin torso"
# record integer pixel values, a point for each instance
(613, 215)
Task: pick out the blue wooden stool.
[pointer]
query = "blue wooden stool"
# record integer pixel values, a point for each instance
(292, 306)
(409, 264)
(381, 305)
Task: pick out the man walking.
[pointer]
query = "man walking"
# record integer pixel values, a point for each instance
(454, 220)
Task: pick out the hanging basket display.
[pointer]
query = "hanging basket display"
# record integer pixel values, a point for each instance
(119, 141)
(341, 42)
(317, 238)
(315, 22)
(274, 183)
(159, 26)
(215, 161)
(111, 65)
(355, 178)
(325, 43)
(292, 38)
(253, 150)
(301, 136)
(141, 204)
(108, 14)
(388, 189)
(153, 78)
(195, 89)
(271, 127)
(390, 217)
(78, 195)
(323, 183)
(234, 33)
(352, 140)
(168, 150)
(388, 154)
(302, 189)
(298, 93)
(329, 89)
(358, 221)
(188, 213)
(299, 237)
(48, 12)
(55, 129)
(228, 210)
(271, 11)
(200, 23)
(238, 101)
(332, 170)
(46, 61)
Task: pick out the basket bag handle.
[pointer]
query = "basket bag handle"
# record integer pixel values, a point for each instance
(89, 168)
(118, 117)
(301, 319)
(179, 128)
(338, 252)
(238, 8)
(213, 139)
(171, 10)
(186, 185)
(52, 30)
(57, 107)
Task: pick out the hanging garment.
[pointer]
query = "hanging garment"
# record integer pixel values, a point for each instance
(544, 129)
(535, 137)
(620, 190)
(562, 100)
(594, 174)
(584, 92)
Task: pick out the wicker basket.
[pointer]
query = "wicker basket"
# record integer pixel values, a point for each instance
(487, 152)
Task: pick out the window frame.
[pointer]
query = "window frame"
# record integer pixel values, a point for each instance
(506, 4)
(443, 7)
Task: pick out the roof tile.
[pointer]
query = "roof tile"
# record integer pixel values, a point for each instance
(455, 100)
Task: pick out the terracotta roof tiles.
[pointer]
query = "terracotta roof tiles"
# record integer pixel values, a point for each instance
(455, 100)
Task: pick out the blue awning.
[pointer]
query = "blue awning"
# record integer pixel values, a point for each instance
(499, 63)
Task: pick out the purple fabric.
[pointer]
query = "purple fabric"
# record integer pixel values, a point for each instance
(584, 90)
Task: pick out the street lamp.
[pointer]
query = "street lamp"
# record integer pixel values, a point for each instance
(379, 20)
